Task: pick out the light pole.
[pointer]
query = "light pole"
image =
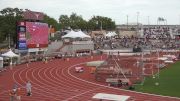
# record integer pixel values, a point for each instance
(101, 25)
(137, 20)
(179, 19)
(127, 22)
(148, 21)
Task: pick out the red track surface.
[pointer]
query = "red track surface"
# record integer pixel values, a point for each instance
(57, 81)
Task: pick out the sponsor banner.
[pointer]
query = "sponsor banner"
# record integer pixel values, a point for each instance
(22, 45)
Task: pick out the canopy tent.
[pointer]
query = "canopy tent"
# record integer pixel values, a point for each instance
(83, 35)
(69, 35)
(110, 34)
(73, 34)
(10, 54)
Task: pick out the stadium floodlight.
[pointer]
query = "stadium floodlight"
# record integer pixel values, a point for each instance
(148, 20)
(179, 19)
(137, 20)
(127, 21)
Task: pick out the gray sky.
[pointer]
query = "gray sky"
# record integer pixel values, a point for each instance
(115, 9)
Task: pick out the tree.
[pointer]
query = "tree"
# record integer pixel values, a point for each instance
(2, 34)
(74, 22)
(96, 22)
(93, 23)
(64, 21)
(77, 22)
(8, 19)
(51, 21)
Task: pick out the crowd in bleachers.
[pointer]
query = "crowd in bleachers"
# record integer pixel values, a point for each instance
(157, 32)
(153, 38)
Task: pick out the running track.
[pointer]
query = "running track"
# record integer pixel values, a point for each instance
(56, 81)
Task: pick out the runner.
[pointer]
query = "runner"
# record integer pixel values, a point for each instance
(18, 94)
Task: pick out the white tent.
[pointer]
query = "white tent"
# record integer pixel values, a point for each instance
(10, 54)
(69, 35)
(83, 35)
(73, 34)
(110, 34)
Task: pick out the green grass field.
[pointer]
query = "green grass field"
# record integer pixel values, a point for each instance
(169, 82)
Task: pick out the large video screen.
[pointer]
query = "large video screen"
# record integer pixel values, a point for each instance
(36, 34)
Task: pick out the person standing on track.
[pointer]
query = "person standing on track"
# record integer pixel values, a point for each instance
(12, 94)
(28, 88)
(18, 94)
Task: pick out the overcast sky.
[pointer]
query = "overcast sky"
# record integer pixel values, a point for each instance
(115, 9)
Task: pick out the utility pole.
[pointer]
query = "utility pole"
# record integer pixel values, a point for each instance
(179, 19)
(101, 25)
(148, 21)
(127, 22)
(138, 21)
(97, 22)
(9, 41)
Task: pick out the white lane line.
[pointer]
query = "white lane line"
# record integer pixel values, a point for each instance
(65, 86)
(35, 92)
(44, 87)
(61, 90)
(81, 94)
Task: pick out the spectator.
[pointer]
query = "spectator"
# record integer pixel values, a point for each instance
(28, 88)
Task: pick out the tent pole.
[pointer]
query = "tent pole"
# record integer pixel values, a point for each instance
(11, 63)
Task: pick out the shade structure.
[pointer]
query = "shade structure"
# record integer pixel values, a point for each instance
(73, 34)
(10, 54)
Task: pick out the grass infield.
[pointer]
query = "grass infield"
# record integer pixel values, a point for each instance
(167, 84)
